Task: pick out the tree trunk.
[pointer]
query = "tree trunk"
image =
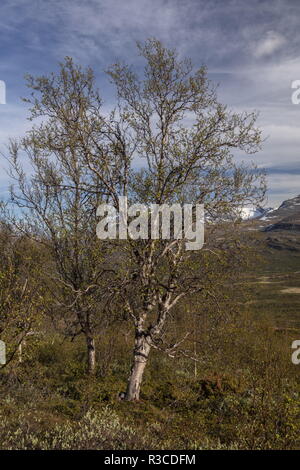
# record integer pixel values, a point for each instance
(91, 359)
(20, 352)
(140, 358)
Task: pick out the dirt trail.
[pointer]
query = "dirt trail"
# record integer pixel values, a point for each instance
(291, 290)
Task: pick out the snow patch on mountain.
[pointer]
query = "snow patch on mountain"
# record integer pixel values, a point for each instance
(247, 213)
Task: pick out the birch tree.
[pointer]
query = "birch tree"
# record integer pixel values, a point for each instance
(169, 141)
(54, 207)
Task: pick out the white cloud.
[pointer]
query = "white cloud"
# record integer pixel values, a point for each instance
(271, 42)
(283, 187)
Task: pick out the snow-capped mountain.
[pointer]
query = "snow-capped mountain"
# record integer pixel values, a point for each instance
(282, 227)
(247, 213)
(286, 217)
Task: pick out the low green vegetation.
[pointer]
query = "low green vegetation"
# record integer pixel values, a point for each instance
(244, 394)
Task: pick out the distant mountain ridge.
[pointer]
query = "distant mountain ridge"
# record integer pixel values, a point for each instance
(286, 217)
(282, 226)
(248, 213)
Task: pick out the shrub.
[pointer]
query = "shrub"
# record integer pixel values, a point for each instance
(98, 429)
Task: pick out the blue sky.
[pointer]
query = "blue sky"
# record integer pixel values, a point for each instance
(252, 49)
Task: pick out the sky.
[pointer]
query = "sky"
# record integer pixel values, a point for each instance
(251, 49)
